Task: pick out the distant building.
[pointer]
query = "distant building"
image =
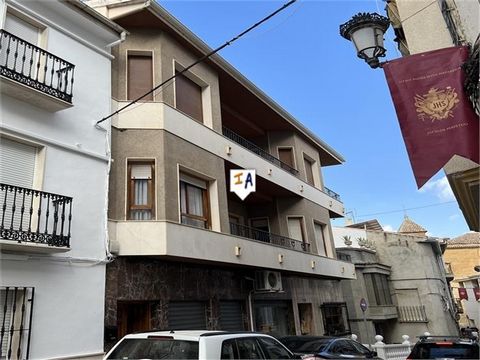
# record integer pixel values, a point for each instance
(190, 253)
(462, 255)
(401, 276)
(55, 66)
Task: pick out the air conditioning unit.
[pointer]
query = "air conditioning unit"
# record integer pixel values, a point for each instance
(268, 281)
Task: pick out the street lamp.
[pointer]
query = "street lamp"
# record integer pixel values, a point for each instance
(366, 32)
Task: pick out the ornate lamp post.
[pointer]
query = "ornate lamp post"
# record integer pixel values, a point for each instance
(366, 32)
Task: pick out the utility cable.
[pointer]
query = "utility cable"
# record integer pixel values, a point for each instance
(413, 208)
(203, 58)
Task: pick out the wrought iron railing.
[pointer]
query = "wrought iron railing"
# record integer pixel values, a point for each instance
(264, 236)
(412, 313)
(32, 66)
(16, 313)
(257, 150)
(331, 193)
(35, 216)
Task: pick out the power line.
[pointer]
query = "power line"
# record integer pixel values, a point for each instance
(404, 209)
(203, 58)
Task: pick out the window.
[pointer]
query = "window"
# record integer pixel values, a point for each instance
(286, 156)
(141, 190)
(378, 292)
(194, 207)
(320, 238)
(188, 97)
(26, 32)
(335, 319)
(295, 228)
(248, 348)
(309, 170)
(140, 77)
(15, 321)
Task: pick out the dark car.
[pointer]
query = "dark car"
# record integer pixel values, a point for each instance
(445, 347)
(324, 347)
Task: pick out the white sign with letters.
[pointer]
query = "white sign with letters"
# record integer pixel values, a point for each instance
(242, 182)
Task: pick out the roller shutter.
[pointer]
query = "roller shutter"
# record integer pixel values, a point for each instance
(17, 163)
(187, 315)
(231, 316)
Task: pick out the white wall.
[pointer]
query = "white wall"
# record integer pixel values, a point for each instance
(69, 287)
(340, 232)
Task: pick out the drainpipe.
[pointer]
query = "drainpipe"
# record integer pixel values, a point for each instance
(250, 309)
(123, 36)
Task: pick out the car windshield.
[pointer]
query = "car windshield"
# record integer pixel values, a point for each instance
(453, 351)
(155, 349)
(307, 345)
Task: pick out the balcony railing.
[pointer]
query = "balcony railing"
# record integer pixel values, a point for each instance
(264, 236)
(331, 193)
(412, 314)
(257, 150)
(34, 216)
(34, 67)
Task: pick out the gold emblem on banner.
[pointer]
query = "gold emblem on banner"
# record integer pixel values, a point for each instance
(436, 104)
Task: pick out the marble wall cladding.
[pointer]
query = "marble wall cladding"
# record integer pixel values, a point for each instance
(158, 281)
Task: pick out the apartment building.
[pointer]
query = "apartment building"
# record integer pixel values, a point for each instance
(190, 253)
(424, 25)
(401, 276)
(53, 177)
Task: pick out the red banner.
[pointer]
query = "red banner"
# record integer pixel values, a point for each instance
(462, 293)
(476, 291)
(436, 118)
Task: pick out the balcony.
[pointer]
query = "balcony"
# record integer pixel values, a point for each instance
(266, 237)
(32, 74)
(257, 150)
(33, 220)
(187, 243)
(412, 314)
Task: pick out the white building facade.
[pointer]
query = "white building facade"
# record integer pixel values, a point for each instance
(55, 84)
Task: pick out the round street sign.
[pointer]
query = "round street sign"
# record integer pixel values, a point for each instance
(363, 304)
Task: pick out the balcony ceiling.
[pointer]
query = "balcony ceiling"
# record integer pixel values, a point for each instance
(266, 190)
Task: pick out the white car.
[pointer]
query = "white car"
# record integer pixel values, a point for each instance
(198, 344)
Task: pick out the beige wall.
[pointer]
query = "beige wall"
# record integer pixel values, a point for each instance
(166, 52)
(462, 260)
(424, 26)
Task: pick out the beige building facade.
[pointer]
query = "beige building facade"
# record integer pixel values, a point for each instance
(461, 256)
(402, 277)
(189, 253)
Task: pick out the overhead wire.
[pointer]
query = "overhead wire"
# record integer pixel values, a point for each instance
(404, 209)
(203, 58)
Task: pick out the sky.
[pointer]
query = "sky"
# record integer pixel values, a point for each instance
(299, 59)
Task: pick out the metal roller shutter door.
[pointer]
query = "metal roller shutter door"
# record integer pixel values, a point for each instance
(187, 315)
(231, 316)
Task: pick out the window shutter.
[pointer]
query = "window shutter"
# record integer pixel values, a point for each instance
(22, 29)
(141, 171)
(17, 163)
(295, 228)
(286, 156)
(319, 236)
(193, 181)
(188, 97)
(140, 77)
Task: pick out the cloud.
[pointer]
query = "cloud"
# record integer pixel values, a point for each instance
(454, 217)
(388, 228)
(440, 188)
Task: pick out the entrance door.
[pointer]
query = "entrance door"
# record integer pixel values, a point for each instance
(133, 317)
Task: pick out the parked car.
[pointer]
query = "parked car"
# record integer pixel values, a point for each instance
(199, 344)
(445, 347)
(325, 347)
